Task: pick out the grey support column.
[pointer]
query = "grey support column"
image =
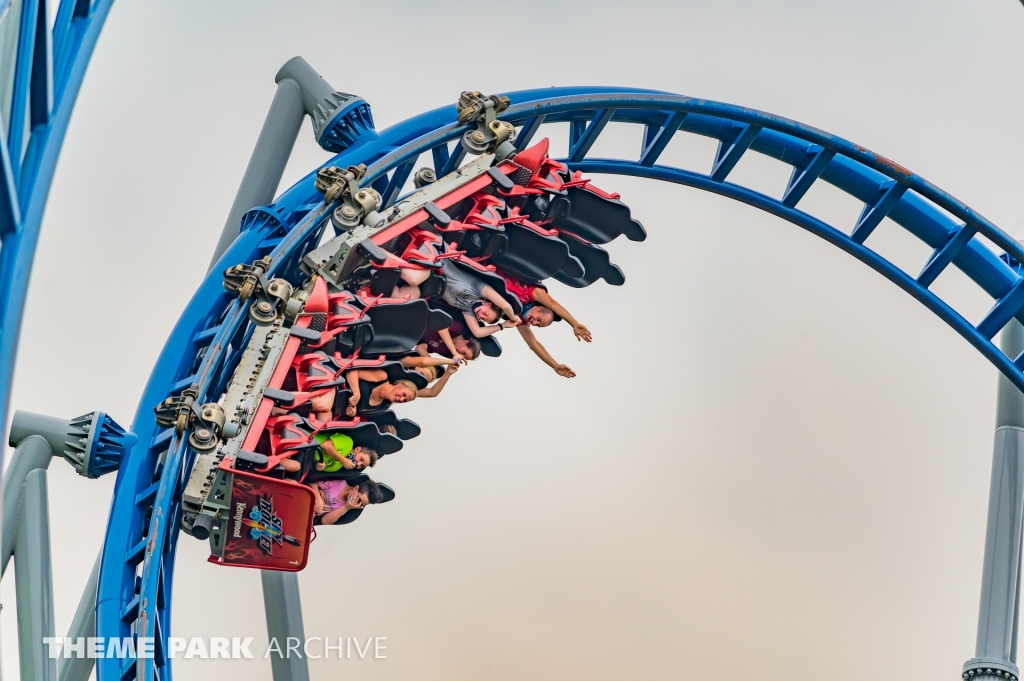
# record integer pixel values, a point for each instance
(340, 120)
(284, 622)
(996, 648)
(34, 582)
(32, 453)
(269, 158)
(93, 444)
(79, 668)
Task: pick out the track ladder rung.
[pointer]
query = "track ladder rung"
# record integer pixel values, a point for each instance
(162, 438)
(440, 156)
(529, 129)
(454, 160)
(874, 213)
(729, 153)
(135, 554)
(1004, 310)
(650, 134)
(205, 335)
(271, 243)
(658, 142)
(576, 129)
(801, 180)
(181, 385)
(590, 135)
(945, 254)
(397, 181)
(145, 496)
(131, 611)
(129, 670)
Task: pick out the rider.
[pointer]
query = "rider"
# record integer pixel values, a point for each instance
(466, 294)
(540, 310)
(336, 452)
(335, 498)
(373, 392)
(435, 372)
(451, 342)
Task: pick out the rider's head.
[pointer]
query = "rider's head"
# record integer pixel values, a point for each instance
(487, 312)
(369, 493)
(535, 314)
(403, 391)
(364, 457)
(469, 348)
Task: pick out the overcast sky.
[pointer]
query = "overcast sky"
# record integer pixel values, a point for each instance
(773, 462)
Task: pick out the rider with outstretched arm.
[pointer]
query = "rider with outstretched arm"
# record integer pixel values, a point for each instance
(540, 310)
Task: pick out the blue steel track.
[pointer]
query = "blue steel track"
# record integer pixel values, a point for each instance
(136, 577)
(49, 66)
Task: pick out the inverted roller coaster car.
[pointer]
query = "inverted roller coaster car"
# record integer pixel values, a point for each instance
(526, 216)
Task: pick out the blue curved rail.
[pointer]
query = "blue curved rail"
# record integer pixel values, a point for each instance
(138, 557)
(48, 72)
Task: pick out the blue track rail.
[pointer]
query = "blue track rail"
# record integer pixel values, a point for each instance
(47, 74)
(137, 570)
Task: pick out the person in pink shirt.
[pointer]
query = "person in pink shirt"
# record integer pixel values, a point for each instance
(335, 498)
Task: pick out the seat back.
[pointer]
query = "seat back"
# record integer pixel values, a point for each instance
(493, 280)
(596, 264)
(598, 219)
(490, 347)
(530, 255)
(396, 328)
(406, 429)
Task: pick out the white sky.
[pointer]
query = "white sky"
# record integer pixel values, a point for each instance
(773, 461)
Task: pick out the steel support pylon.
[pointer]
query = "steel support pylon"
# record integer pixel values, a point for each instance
(266, 165)
(26, 537)
(995, 654)
(285, 631)
(92, 444)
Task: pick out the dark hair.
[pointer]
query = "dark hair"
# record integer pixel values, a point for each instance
(439, 371)
(531, 305)
(497, 310)
(372, 453)
(372, 491)
(473, 345)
